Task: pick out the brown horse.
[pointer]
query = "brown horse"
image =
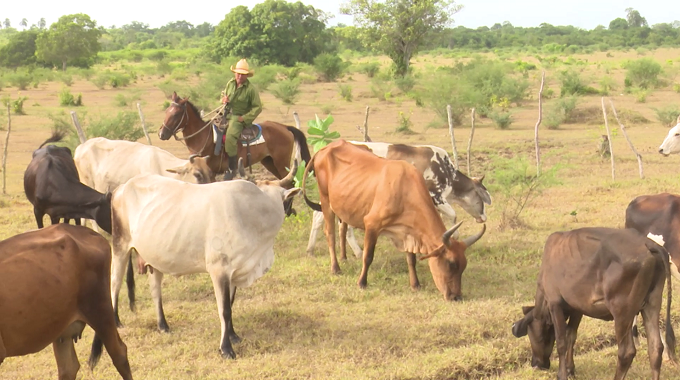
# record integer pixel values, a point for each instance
(275, 153)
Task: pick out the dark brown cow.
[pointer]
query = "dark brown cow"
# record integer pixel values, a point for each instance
(604, 273)
(53, 282)
(53, 187)
(390, 197)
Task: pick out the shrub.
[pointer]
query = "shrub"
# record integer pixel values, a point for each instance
(572, 84)
(67, 99)
(329, 66)
(121, 100)
(370, 69)
(380, 89)
(17, 105)
(566, 107)
(163, 67)
(286, 90)
(404, 124)
(345, 91)
(319, 132)
(20, 80)
(607, 85)
(667, 115)
(157, 55)
(67, 79)
(553, 119)
(123, 126)
(100, 81)
(405, 83)
(642, 73)
(166, 104)
(640, 95)
(502, 119)
(266, 75)
(676, 88)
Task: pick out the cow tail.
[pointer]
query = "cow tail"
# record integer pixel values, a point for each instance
(56, 136)
(130, 281)
(309, 168)
(96, 352)
(670, 334)
(301, 140)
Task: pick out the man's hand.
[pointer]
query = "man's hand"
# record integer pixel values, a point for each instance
(225, 99)
(240, 119)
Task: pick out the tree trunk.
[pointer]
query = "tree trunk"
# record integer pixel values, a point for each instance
(63, 65)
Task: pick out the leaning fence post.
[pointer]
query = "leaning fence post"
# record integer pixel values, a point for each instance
(141, 116)
(298, 155)
(81, 134)
(623, 129)
(453, 141)
(540, 118)
(4, 153)
(609, 136)
(472, 133)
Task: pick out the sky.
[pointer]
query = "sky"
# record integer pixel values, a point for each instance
(585, 14)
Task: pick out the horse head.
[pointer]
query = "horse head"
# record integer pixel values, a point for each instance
(176, 118)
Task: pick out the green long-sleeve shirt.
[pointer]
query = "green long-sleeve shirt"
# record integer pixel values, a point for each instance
(244, 101)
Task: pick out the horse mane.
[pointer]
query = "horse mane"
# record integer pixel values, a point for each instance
(196, 110)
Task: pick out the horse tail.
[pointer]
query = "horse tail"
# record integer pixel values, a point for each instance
(301, 140)
(309, 168)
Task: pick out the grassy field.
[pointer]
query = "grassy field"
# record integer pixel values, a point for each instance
(300, 321)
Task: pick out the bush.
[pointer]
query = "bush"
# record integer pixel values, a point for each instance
(667, 115)
(502, 119)
(266, 76)
(329, 66)
(572, 84)
(17, 106)
(676, 88)
(163, 67)
(371, 69)
(123, 126)
(67, 79)
(642, 73)
(405, 83)
(121, 100)
(286, 90)
(381, 89)
(20, 80)
(640, 95)
(607, 85)
(345, 91)
(404, 124)
(67, 99)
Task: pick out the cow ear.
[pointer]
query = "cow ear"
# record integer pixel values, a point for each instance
(291, 192)
(483, 193)
(177, 170)
(519, 328)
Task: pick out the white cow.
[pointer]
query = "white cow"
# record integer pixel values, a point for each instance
(105, 164)
(226, 229)
(446, 185)
(671, 144)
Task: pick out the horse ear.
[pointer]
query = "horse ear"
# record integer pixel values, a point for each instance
(174, 96)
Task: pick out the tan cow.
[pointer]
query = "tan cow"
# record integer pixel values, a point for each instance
(53, 282)
(387, 197)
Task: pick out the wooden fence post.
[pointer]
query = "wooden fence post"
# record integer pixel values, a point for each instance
(366, 138)
(540, 118)
(469, 147)
(81, 134)
(609, 136)
(453, 141)
(298, 155)
(141, 116)
(623, 129)
(4, 153)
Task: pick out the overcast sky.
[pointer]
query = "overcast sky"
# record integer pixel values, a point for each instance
(585, 14)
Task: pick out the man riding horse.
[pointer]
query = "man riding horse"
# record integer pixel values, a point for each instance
(243, 99)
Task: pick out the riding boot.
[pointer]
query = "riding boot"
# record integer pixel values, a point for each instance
(233, 169)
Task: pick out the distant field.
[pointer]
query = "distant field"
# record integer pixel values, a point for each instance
(301, 322)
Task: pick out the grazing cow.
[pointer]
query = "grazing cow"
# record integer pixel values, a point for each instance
(391, 197)
(52, 185)
(53, 282)
(671, 144)
(604, 273)
(445, 184)
(226, 229)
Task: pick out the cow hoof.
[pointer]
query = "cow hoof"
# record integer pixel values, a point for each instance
(336, 270)
(362, 285)
(163, 326)
(228, 354)
(235, 338)
(415, 287)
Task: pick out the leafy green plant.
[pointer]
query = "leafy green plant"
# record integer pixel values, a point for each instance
(371, 69)
(21, 80)
(121, 100)
(607, 85)
(404, 124)
(502, 119)
(123, 126)
(286, 90)
(667, 115)
(405, 83)
(676, 87)
(329, 66)
(67, 99)
(640, 95)
(572, 84)
(345, 91)
(17, 105)
(642, 73)
(319, 133)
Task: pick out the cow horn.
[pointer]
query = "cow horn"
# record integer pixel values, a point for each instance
(446, 238)
(288, 180)
(191, 158)
(470, 240)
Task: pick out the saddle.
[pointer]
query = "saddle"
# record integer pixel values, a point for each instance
(249, 136)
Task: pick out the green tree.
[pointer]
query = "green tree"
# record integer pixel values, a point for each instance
(634, 19)
(23, 23)
(42, 23)
(73, 37)
(274, 31)
(618, 24)
(20, 50)
(401, 26)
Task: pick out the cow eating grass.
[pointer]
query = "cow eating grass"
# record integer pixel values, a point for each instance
(603, 273)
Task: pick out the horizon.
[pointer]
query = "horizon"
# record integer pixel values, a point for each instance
(582, 14)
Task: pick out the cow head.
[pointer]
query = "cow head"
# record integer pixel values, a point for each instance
(175, 117)
(541, 336)
(671, 144)
(283, 187)
(103, 212)
(471, 195)
(448, 262)
(194, 171)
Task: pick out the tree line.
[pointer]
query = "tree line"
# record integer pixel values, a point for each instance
(281, 32)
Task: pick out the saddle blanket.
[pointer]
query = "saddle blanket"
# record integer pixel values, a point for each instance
(259, 138)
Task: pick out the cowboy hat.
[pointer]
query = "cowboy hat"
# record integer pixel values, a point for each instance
(242, 68)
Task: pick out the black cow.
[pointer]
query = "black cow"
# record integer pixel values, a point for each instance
(604, 273)
(52, 185)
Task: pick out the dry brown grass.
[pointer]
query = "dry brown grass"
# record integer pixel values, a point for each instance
(299, 321)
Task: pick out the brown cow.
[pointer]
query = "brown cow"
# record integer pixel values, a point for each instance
(604, 273)
(391, 197)
(53, 282)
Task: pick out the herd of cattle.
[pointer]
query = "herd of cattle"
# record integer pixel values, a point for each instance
(227, 229)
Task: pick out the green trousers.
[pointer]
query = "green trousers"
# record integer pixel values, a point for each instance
(232, 135)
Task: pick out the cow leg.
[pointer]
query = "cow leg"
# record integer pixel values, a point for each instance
(352, 240)
(222, 296)
(624, 340)
(155, 282)
(67, 360)
(329, 229)
(38, 217)
(560, 325)
(317, 223)
(232, 334)
(370, 239)
(54, 219)
(572, 330)
(102, 321)
(650, 317)
(118, 264)
(343, 241)
(412, 275)
(3, 350)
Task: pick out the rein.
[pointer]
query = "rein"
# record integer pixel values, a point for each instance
(179, 128)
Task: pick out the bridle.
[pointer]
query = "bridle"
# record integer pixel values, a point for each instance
(179, 127)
